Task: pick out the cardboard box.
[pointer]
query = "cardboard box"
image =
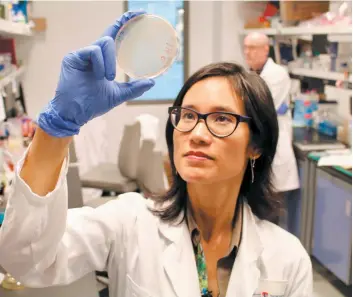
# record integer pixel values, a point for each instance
(302, 10)
(40, 24)
(255, 24)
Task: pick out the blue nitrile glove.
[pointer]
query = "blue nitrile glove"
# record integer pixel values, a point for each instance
(86, 87)
(282, 109)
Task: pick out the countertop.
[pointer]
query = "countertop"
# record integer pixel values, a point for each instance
(310, 136)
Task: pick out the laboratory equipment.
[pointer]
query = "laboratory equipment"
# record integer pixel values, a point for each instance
(147, 46)
(304, 106)
(327, 118)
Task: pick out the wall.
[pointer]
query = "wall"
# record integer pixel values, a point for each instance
(213, 37)
(70, 25)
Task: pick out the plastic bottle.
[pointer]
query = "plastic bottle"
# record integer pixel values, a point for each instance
(307, 60)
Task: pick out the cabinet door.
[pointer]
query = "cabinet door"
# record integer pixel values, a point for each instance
(332, 233)
(295, 209)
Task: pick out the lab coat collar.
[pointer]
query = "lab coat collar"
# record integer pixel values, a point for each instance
(267, 65)
(246, 273)
(252, 246)
(179, 260)
(172, 231)
(172, 255)
(180, 266)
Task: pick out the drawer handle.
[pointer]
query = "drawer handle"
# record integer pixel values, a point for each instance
(348, 208)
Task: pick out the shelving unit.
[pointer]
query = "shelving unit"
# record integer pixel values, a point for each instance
(294, 31)
(318, 74)
(14, 74)
(322, 30)
(8, 28)
(267, 31)
(335, 33)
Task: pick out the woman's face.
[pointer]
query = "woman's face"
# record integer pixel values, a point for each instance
(227, 157)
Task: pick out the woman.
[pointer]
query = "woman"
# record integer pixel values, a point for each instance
(207, 237)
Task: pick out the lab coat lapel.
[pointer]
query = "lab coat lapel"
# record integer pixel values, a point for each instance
(246, 273)
(267, 68)
(179, 261)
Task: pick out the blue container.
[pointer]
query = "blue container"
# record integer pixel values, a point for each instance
(327, 128)
(303, 112)
(299, 113)
(2, 216)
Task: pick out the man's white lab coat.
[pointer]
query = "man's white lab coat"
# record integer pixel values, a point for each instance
(284, 164)
(44, 244)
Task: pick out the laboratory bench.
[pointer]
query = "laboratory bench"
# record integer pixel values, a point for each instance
(324, 204)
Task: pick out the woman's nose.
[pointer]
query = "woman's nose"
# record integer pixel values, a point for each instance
(200, 133)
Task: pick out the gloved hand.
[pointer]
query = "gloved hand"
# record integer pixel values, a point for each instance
(86, 87)
(282, 109)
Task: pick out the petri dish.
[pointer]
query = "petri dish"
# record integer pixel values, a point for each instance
(147, 46)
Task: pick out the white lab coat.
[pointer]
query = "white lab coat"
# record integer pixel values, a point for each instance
(43, 244)
(284, 167)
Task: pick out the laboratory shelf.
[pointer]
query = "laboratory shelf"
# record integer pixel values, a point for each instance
(267, 31)
(319, 30)
(293, 31)
(13, 75)
(8, 28)
(319, 74)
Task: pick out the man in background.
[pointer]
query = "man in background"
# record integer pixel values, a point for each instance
(286, 179)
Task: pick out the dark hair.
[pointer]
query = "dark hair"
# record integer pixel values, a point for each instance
(264, 135)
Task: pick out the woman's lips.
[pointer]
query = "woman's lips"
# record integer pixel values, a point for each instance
(196, 155)
(197, 158)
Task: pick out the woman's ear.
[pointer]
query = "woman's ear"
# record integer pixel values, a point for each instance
(254, 153)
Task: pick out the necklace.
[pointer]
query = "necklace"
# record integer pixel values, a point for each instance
(207, 293)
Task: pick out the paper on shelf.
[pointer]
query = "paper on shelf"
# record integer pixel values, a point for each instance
(344, 161)
(346, 151)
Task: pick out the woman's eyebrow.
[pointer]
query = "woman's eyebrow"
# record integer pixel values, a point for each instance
(223, 108)
(189, 106)
(213, 109)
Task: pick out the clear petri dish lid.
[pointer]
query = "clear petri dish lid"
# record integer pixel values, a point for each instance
(147, 46)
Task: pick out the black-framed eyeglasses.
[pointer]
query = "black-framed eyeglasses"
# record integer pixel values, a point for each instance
(220, 123)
